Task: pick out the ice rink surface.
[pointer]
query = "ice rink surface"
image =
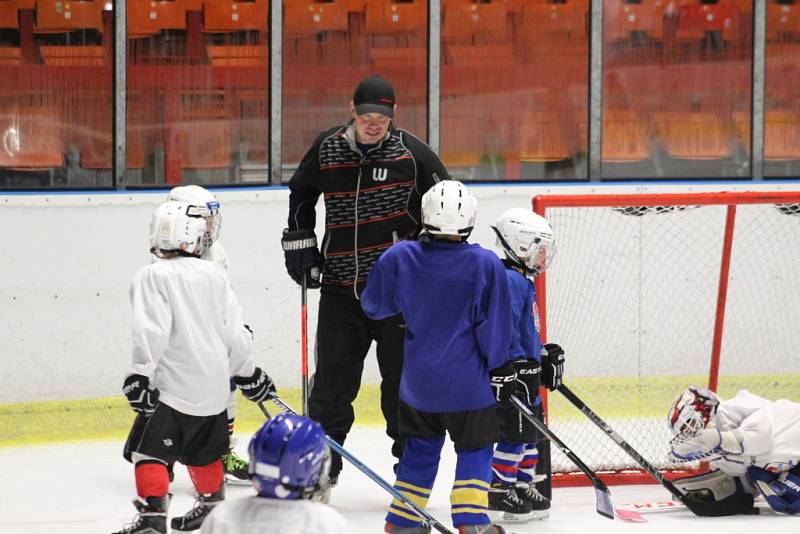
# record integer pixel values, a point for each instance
(86, 488)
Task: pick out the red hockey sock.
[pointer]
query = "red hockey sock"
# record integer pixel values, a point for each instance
(152, 479)
(207, 478)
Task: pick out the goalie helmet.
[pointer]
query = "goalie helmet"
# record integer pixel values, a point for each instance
(526, 238)
(200, 196)
(448, 208)
(179, 228)
(692, 411)
(289, 458)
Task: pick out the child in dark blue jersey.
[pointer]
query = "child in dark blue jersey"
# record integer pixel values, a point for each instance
(455, 299)
(527, 242)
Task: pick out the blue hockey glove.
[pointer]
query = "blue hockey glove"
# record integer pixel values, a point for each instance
(782, 491)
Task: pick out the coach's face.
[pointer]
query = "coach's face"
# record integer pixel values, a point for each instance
(370, 127)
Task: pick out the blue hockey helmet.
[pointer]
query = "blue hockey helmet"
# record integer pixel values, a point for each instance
(289, 458)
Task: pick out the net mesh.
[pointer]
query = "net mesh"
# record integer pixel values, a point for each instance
(631, 297)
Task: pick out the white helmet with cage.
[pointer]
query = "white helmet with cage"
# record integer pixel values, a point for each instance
(526, 238)
(200, 196)
(448, 208)
(179, 228)
(692, 411)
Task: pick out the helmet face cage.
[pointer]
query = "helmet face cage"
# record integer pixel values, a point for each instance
(691, 412)
(448, 208)
(289, 458)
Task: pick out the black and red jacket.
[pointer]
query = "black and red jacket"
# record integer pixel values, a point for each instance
(372, 200)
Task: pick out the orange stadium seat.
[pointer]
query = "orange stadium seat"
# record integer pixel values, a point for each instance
(8, 15)
(148, 17)
(231, 16)
(625, 137)
(542, 137)
(622, 19)
(385, 17)
(10, 55)
(30, 138)
(238, 55)
(781, 133)
(551, 23)
(693, 136)
(303, 17)
(203, 133)
(470, 22)
(73, 56)
(57, 16)
(783, 22)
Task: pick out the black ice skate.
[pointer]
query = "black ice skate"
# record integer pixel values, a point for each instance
(505, 504)
(202, 507)
(394, 529)
(540, 505)
(235, 469)
(151, 519)
(481, 529)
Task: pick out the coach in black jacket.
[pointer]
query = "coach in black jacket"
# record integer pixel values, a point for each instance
(372, 176)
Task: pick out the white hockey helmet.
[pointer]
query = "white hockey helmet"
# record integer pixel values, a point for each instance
(448, 208)
(200, 196)
(526, 238)
(179, 228)
(692, 411)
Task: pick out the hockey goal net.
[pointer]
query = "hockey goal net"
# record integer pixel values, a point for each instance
(648, 294)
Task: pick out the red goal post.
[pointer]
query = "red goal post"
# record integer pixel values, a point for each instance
(649, 293)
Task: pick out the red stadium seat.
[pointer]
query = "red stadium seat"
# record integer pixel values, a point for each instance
(238, 55)
(10, 55)
(73, 56)
(471, 22)
(304, 17)
(30, 138)
(230, 16)
(693, 136)
(57, 16)
(8, 15)
(146, 18)
(625, 137)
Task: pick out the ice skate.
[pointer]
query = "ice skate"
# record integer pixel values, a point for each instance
(235, 468)
(481, 529)
(540, 505)
(202, 507)
(506, 505)
(151, 519)
(394, 529)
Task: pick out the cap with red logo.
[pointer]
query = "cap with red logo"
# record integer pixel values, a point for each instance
(374, 95)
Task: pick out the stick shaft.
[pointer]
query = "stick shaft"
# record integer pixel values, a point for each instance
(304, 343)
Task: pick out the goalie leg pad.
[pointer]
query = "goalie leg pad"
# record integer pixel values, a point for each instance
(781, 490)
(715, 494)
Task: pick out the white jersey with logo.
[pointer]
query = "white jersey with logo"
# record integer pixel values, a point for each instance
(769, 430)
(188, 335)
(259, 515)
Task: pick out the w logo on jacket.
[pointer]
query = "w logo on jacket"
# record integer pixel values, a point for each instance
(379, 175)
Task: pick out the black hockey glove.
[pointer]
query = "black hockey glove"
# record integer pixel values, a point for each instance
(257, 387)
(302, 256)
(528, 372)
(504, 382)
(141, 398)
(552, 366)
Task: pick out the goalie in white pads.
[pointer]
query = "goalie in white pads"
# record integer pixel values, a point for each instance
(289, 464)
(752, 444)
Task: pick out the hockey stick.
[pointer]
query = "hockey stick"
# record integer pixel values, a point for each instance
(427, 519)
(604, 505)
(304, 343)
(697, 508)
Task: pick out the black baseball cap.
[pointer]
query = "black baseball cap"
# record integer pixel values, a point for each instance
(374, 95)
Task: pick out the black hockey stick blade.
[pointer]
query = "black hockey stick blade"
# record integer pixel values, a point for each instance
(427, 519)
(604, 505)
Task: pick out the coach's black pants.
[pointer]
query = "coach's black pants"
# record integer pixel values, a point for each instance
(344, 335)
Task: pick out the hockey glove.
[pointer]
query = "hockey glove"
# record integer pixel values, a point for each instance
(504, 382)
(141, 398)
(552, 366)
(782, 491)
(528, 372)
(708, 443)
(257, 387)
(302, 256)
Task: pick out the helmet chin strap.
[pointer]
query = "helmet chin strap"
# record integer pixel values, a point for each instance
(514, 259)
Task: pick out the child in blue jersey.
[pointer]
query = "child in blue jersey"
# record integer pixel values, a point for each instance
(527, 242)
(455, 300)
